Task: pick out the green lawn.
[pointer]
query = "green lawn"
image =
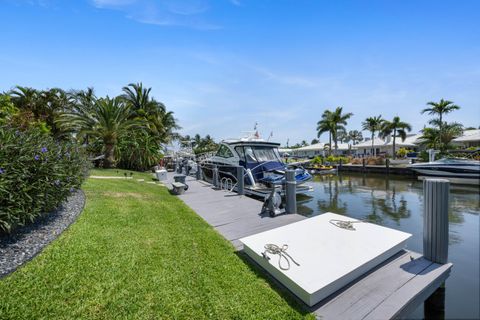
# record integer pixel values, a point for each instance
(137, 252)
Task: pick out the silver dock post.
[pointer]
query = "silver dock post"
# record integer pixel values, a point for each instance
(240, 181)
(198, 174)
(291, 192)
(435, 219)
(216, 182)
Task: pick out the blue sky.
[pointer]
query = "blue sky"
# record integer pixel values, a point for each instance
(223, 65)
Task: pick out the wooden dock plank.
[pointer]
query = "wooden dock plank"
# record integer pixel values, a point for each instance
(233, 216)
(371, 290)
(413, 293)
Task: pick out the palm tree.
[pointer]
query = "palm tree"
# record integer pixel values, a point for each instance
(43, 105)
(396, 126)
(342, 136)
(325, 125)
(160, 122)
(355, 136)
(314, 141)
(440, 108)
(373, 124)
(333, 122)
(110, 120)
(339, 121)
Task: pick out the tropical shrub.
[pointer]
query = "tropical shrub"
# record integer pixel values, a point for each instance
(334, 159)
(37, 173)
(317, 160)
(402, 152)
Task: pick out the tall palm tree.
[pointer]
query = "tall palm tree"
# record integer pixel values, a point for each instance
(325, 125)
(394, 127)
(333, 122)
(440, 109)
(339, 121)
(160, 122)
(355, 136)
(110, 120)
(373, 124)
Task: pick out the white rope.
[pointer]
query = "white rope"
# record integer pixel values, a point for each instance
(344, 224)
(281, 252)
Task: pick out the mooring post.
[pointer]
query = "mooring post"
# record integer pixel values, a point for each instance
(363, 164)
(435, 219)
(291, 192)
(216, 182)
(187, 169)
(387, 165)
(240, 181)
(198, 174)
(340, 163)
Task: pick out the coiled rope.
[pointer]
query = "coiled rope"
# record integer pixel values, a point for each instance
(347, 225)
(282, 254)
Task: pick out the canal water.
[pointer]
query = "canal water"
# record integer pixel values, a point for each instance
(397, 202)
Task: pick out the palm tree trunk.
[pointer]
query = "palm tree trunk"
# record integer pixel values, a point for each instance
(440, 131)
(394, 155)
(373, 137)
(330, 143)
(109, 156)
(336, 144)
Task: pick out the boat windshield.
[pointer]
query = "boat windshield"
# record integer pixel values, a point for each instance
(258, 153)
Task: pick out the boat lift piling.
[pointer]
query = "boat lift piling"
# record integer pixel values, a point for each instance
(240, 181)
(198, 174)
(290, 192)
(435, 219)
(216, 182)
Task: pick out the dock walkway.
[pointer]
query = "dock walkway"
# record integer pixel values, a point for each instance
(391, 290)
(233, 216)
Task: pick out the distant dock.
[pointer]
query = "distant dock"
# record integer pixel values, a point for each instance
(383, 169)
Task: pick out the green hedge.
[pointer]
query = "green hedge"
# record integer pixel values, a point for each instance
(37, 173)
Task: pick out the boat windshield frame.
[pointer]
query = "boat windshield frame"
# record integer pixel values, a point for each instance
(251, 154)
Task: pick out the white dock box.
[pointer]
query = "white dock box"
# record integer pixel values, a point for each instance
(161, 174)
(330, 257)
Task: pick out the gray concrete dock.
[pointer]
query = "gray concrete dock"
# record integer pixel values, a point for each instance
(233, 216)
(391, 290)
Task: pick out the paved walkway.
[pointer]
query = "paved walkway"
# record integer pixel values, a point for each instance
(233, 216)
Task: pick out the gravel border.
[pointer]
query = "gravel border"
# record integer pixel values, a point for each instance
(28, 241)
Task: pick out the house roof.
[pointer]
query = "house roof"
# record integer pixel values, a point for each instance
(377, 142)
(411, 141)
(321, 146)
(469, 136)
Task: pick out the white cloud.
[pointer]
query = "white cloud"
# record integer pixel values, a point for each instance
(186, 13)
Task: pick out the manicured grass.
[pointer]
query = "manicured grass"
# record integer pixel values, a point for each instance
(137, 252)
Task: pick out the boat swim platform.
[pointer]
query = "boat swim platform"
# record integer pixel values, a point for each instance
(392, 289)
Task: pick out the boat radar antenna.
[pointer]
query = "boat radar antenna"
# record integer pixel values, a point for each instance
(270, 136)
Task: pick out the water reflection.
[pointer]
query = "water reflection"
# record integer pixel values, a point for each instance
(398, 203)
(383, 197)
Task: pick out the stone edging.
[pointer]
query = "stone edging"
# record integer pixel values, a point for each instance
(28, 241)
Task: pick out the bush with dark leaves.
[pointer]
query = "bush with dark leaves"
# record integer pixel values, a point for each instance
(37, 173)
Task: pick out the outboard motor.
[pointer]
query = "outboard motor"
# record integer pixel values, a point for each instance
(273, 202)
